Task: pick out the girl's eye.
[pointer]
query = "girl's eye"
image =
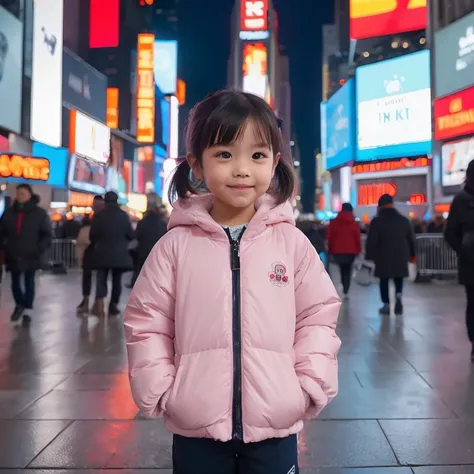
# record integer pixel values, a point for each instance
(258, 156)
(224, 154)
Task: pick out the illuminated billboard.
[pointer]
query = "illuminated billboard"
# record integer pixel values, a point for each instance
(454, 56)
(166, 65)
(89, 138)
(455, 157)
(11, 51)
(454, 115)
(255, 69)
(47, 73)
(145, 89)
(104, 21)
(253, 15)
(340, 120)
(372, 18)
(394, 107)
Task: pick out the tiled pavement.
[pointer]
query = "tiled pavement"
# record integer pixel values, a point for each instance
(406, 403)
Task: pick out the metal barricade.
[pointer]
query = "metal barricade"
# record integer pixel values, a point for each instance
(62, 254)
(434, 257)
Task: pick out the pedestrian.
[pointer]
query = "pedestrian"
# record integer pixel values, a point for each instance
(391, 246)
(230, 327)
(110, 234)
(344, 243)
(459, 234)
(148, 232)
(84, 253)
(25, 237)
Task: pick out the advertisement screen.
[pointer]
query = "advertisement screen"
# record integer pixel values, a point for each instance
(340, 135)
(454, 56)
(112, 107)
(84, 87)
(166, 65)
(46, 82)
(372, 18)
(11, 52)
(455, 157)
(104, 21)
(255, 69)
(145, 89)
(454, 115)
(404, 189)
(48, 164)
(87, 176)
(394, 108)
(165, 121)
(253, 15)
(89, 138)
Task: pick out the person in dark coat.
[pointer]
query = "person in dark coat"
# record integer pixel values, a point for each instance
(459, 234)
(25, 237)
(391, 246)
(149, 230)
(83, 245)
(344, 243)
(110, 235)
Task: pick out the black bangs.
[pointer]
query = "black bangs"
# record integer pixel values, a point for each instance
(223, 117)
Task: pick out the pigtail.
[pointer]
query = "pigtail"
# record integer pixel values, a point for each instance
(181, 185)
(284, 181)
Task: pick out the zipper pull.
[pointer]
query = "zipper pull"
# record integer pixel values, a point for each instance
(235, 255)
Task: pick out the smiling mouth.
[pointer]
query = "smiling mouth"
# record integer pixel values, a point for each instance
(241, 186)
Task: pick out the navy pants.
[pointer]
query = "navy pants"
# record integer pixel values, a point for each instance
(23, 297)
(206, 456)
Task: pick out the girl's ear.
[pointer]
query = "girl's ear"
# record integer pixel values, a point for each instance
(275, 163)
(195, 166)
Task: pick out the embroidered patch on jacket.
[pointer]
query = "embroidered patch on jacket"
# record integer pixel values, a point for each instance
(278, 274)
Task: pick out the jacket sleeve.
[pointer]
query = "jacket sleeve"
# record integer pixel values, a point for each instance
(411, 240)
(372, 239)
(45, 233)
(149, 331)
(453, 230)
(357, 238)
(316, 343)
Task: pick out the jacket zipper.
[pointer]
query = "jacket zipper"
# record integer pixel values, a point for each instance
(237, 429)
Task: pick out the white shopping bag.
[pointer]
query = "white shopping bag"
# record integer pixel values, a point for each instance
(364, 273)
(412, 271)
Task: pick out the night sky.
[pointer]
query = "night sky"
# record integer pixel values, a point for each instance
(205, 44)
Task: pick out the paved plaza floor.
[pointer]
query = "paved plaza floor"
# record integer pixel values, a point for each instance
(406, 402)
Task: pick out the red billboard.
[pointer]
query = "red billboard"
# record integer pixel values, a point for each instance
(104, 19)
(454, 115)
(371, 18)
(253, 15)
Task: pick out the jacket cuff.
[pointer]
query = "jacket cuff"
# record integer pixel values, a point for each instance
(164, 401)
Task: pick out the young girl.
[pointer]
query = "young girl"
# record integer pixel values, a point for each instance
(230, 327)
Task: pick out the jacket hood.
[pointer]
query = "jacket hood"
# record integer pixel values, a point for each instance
(195, 211)
(345, 217)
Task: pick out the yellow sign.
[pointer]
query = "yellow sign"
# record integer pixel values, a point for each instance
(26, 167)
(145, 89)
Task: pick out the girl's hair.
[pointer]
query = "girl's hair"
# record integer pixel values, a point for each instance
(220, 119)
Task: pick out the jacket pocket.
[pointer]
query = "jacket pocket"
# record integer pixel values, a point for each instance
(202, 392)
(273, 396)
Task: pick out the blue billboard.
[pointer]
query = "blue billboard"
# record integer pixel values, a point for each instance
(340, 123)
(166, 65)
(394, 108)
(58, 165)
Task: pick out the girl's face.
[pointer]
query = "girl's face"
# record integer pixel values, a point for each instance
(237, 174)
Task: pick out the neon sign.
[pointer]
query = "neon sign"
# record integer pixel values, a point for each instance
(145, 89)
(27, 167)
(369, 194)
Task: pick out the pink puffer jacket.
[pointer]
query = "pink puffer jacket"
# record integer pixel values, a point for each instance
(221, 365)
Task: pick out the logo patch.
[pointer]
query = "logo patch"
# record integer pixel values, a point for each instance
(278, 274)
(292, 470)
